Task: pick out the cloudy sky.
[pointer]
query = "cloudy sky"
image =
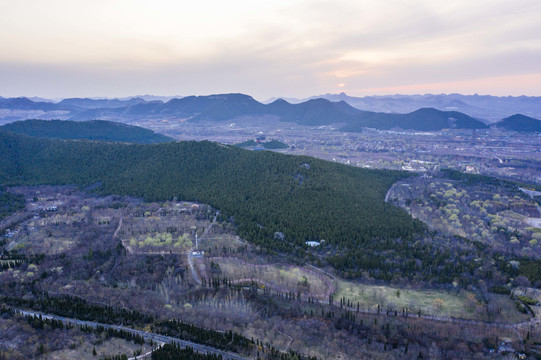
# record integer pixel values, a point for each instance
(65, 48)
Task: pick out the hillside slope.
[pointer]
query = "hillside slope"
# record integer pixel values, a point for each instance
(519, 122)
(263, 192)
(212, 107)
(426, 119)
(313, 112)
(89, 130)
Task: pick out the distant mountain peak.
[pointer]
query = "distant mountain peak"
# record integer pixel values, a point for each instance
(280, 101)
(428, 111)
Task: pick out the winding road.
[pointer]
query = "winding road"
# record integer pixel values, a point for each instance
(157, 338)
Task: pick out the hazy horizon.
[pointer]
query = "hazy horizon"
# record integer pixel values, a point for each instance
(262, 100)
(59, 48)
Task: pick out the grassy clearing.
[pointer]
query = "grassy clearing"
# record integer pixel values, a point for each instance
(509, 313)
(430, 302)
(182, 242)
(284, 278)
(222, 243)
(458, 304)
(461, 304)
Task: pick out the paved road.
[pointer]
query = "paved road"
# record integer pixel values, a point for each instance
(194, 273)
(146, 335)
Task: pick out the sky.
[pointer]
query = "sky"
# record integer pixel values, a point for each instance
(274, 48)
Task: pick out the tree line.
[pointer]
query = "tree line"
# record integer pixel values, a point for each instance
(228, 340)
(10, 203)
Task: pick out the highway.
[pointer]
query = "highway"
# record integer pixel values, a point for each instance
(157, 338)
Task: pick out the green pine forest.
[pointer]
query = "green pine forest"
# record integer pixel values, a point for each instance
(271, 145)
(262, 192)
(98, 130)
(9, 203)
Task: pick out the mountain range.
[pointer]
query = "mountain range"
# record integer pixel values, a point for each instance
(487, 107)
(223, 107)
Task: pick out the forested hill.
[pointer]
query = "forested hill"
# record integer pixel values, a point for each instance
(264, 192)
(89, 130)
(519, 122)
(426, 119)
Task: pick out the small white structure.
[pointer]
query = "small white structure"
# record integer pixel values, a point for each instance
(312, 243)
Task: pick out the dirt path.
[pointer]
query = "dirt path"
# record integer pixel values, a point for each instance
(194, 273)
(118, 227)
(389, 192)
(290, 340)
(207, 229)
(125, 244)
(322, 271)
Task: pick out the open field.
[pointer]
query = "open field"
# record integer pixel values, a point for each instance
(284, 278)
(457, 304)
(442, 303)
(220, 240)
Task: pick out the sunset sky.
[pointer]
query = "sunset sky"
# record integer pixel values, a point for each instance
(67, 48)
